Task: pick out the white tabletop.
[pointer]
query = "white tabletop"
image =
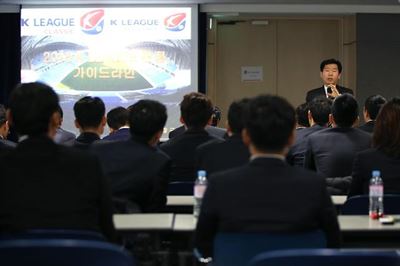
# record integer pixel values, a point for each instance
(188, 200)
(362, 223)
(144, 222)
(348, 223)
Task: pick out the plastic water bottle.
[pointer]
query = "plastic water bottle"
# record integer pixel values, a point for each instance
(200, 187)
(376, 195)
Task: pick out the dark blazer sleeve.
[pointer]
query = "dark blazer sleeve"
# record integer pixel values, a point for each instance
(328, 219)
(207, 223)
(356, 187)
(105, 205)
(309, 161)
(158, 197)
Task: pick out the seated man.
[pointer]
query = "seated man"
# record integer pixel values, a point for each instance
(90, 120)
(196, 111)
(45, 185)
(63, 136)
(266, 195)
(331, 151)
(117, 121)
(138, 171)
(4, 130)
(217, 155)
(370, 111)
(318, 117)
(301, 116)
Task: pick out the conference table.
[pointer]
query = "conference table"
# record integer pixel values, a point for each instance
(357, 230)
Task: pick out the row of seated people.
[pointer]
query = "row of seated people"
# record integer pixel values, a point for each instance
(48, 185)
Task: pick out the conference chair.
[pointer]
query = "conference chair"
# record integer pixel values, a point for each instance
(358, 205)
(62, 252)
(54, 234)
(326, 257)
(180, 188)
(236, 249)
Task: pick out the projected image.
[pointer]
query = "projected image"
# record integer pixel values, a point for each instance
(120, 55)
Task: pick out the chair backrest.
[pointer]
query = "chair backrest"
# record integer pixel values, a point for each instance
(236, 249)
(62, 252)
(180, 188)
(326, 257)
(54, 234)
(358, 205)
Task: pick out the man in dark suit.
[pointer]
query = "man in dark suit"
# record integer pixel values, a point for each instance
(45, 185)
(217, 155)
(371, 109)
(138, 171)
(90, 120)
(4, 129)
(63, 136)
(331, 151)
(117, 121)
(266, 195)
(331, 70)
(196, 111)
(318, 117)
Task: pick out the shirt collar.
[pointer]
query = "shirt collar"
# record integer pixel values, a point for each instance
(269, 155)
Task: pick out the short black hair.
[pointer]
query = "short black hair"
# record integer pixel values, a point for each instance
(236, 115)
(89, 111)
(345, 110)
(320, 109)
(373, 104)
(31, 106)
(60, 111)
(270, 121)
(196, 110)
(302, 115)
(330, 62)
(3, 117)
(146, 118)
(117, 117)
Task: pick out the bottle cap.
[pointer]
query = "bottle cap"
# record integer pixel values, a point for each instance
(201, 173)
(376, 173)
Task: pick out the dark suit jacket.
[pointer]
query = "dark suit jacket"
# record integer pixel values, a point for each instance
(7, 143)
(368, 127)
(318, 92)
(218, 155)
(372, 159)
(266, 195)
(297, 152)
(182, 150)
(213, 131)
(138, 173)
(45, 185)
(85, 139)
(64, 137)
(120, 134)
(331, 151)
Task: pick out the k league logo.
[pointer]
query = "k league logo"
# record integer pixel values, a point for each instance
(93, 22)
(175, 22)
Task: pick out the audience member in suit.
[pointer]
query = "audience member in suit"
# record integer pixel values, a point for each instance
(384, 154)
(318, 117)
(331, 151)
(217, 155)
(138, 171)
(90, 120)
(267, 194)
(4, 129)
(302, 116)
(46, 185)
(117, 121)
(63, 136)
(331, 70)
(371, 109)
(196, 111)
(212, 128)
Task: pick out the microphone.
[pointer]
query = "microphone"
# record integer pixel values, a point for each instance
(329, 90)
